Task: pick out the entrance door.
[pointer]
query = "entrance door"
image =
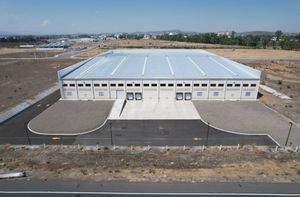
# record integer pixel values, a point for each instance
(120, 94)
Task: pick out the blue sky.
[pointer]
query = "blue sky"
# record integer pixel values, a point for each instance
(96, 16)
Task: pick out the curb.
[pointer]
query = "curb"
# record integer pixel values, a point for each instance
(4, 116)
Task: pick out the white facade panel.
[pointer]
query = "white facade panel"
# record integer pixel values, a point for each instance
(85, 89)
(150, 89)
(117, 86)
(233, 90)
(249, 90)
(69, 89)
(167, 89)
(216, 89)
(200, 89)
(101, 89)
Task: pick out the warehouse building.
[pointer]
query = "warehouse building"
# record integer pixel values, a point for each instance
(156, 74)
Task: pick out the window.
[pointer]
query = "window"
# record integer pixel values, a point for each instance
(237, 85)
(196, 84)
(188, 96)
(101, 93)
(179, 84)
(253, 85)
(137, 85)
(179, 96)
(146, 84)
(229, 85)
(153, 84)
(213, 85)
(72, 85)
(248, 94)
(112, 85)
(129, 84)
(187, 85)
(138, 96)
(96, 84)
(104, 85)
(130, 96)
(216, 94)
(220, 85)
(65, 85)
(162, 85)
(80, 85)
(245, 85)
(170, 84)
(88, 85)
(204, 85)
(120, 84)
(199, 93)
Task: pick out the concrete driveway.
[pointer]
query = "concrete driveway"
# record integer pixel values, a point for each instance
(71, 117)
(157, 110)
(248, 117)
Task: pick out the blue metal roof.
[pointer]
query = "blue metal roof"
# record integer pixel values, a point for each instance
(159, 64)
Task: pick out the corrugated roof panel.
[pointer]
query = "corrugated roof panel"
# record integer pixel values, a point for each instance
(161, 63)
(183, 68)
(157, 67)
(131, 68)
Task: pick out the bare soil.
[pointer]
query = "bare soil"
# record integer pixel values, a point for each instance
(26, 53)
(159, 44)
(23, 79)
(71, 163)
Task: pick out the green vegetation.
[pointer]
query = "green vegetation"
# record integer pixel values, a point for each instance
(276, 41)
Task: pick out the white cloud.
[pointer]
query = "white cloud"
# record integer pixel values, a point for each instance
(45, 23)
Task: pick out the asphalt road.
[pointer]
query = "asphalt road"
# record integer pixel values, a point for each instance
(126, 132)
(12, 188)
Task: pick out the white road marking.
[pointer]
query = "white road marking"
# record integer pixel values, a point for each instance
(151, 193)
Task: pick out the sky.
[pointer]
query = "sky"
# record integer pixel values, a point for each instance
(99, 16)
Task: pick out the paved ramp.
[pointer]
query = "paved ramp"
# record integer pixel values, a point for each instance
(66, 117)
(247, 117)
(157, 110)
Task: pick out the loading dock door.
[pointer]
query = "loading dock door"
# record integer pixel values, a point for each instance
(120, 94)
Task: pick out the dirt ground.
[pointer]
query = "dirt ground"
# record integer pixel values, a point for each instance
(91, 53)
(263, 54)
(23, 79)
(159, 44)
(26, 53)
(158, 165)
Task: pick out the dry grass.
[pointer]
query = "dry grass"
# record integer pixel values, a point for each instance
(70, 163)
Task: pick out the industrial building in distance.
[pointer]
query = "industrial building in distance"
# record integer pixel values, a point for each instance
(157, 74)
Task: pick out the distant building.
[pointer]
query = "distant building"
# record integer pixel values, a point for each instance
(52, 46)
(225, 33)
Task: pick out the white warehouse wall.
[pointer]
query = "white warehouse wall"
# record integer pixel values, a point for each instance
(160, 89)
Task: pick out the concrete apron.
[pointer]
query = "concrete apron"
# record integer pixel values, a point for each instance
(154, 110)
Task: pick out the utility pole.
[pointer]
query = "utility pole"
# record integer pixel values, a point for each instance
(287, 139)
(111, 134)
(27, 134)
(207, 133)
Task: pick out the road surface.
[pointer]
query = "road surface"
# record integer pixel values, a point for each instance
(126, 132)
(12, 188)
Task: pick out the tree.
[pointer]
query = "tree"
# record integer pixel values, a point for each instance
(278, 34)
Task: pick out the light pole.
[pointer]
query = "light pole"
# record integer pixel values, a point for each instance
(27, 134)
(207, 133)
(111, 134)
(287, 139)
